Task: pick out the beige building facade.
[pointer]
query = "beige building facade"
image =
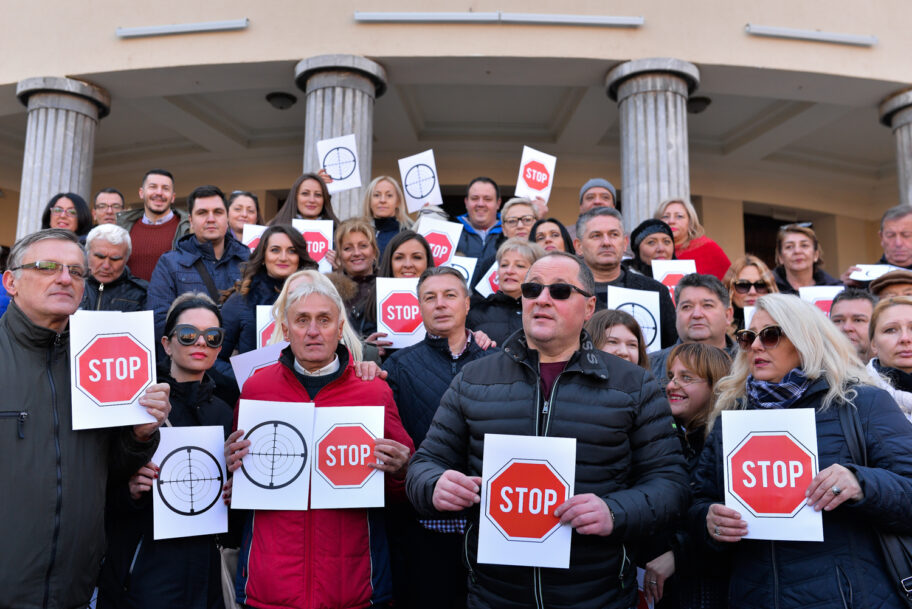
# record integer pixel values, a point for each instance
(761, 112)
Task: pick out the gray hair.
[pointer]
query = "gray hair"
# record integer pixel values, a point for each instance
(437, 271)
(584, 276)
(895, 213)
(710, 282)
(518, 201)
(523, 247)
(113, 234)
(20, 247)
(596, 212)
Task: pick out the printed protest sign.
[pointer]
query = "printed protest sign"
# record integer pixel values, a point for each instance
(465, 265)
(319, 237)
(644, 307)
(870, 272)
(265, 325)
(251, 235)
(670, 272)
(821, 296)
(339, 157)
(419, 181)
(490, 283)
(398, 313)
(247, 364)
(536, 174)
(442, 236)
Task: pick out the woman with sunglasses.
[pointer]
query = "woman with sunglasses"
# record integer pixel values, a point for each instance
(747, 279)
(139, 571)
(792, 357)
(69, 211)
(891, 343)
(618, 333)
(799, 258)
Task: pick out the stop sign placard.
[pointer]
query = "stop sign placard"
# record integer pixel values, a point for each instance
(113, 369)
(400, 312)
(522, 497)
(343, 455)
(266, 333)
(536, 175)
(769, 472)
(441, 247)
(494, 282)
(317, 244)
(670, 281)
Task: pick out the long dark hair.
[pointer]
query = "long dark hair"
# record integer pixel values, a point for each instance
(289, 210)
(386, 263)
(83, 215)
(257, 261)
(565, 234)
(185, 302)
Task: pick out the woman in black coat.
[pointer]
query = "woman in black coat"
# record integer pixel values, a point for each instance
(140, 572)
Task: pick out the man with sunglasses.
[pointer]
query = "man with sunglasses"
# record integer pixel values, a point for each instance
(52, 515)
(550, 380)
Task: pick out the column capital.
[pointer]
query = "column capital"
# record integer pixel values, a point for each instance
(64, 86)
(683, 70)
(892, 105)
(362, 66)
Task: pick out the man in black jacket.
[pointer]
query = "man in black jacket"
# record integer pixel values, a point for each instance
(551, 381)
(110, 285)
(427, 554)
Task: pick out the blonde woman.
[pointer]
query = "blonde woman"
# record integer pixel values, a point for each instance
(890, 332)
(690, 240)
(384, 205)
(747, 279)
(791, 356)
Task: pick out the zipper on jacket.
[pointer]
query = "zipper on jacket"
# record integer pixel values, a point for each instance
(537, 588)
(20, 424)
(465, 552)
(56, 536)
(775, 575)
(548, 406)
(100, 294)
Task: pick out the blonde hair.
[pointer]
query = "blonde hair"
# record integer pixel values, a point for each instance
(740, 264)
(518, 201)
(358, 225)
(401, 209)
(521, 246)
(694, 228)
(883, 305)
(824, 351)
(321, 285)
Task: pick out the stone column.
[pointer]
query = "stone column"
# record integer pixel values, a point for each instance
(340, 91)
(652, 102)
(59, 142)
(896, 113)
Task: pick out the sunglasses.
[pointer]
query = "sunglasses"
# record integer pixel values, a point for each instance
(558, 291)
(743, 286)
(187, 335)
(769, 337)
(49, 267)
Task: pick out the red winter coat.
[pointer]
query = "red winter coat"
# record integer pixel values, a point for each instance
(333, 559)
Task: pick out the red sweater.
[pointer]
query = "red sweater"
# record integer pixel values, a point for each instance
(709, 257)
(150, 241)
(333, 559)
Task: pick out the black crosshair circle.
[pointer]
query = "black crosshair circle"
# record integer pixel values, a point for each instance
(340, 163)
(277, 455)
(644, 317)
(420, 181)
(190, 480)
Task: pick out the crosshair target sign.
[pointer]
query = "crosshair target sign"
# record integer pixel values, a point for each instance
(420, 181)
(277, 455)
(190, 480)
(340, 163)
(644, 317)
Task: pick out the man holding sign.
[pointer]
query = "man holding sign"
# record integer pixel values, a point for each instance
(630, 477)
(52, 515)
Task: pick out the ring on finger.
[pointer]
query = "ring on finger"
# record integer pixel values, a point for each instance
(836, 490)
(716, 531)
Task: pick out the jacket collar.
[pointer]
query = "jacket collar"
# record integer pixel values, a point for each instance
(467, 226)
(442, 344)
(195, 248)
(125, 277)
(287, 359)
(585, 360)
(29, 334)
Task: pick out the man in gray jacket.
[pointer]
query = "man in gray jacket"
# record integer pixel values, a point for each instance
(54, 478)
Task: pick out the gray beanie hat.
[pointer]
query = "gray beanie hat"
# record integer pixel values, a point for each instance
(598, 182)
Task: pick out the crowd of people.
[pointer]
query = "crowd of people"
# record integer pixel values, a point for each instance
(543, 355)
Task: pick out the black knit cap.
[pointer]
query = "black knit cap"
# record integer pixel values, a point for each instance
(646, 228)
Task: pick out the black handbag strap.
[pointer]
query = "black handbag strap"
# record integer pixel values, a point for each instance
(207, 279)
(853, 432)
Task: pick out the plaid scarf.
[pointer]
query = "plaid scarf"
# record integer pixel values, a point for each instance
(783, 394)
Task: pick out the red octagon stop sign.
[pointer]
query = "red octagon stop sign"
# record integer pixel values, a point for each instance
(768, 473)
(266, 333)
(670, 281)
(441, 247)
(113, 369)
(343, 455)
(400, 312)
(317, 244)
(522, 497)
(494, 281)
(535, 175)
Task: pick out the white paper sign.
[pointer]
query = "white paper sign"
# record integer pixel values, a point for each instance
(749, 315)
(419, 181)
(442, 236)
(339, 157)
(251, 235)
(536, 174)
(821, 296)
(670, 272)
(870, 272)
(642, 603)
(524, 479)
(644, 307)
(265, 325)
(187, 495)
(398, 313)
(343, 451)
(112, 362)
(245, 365)
(319, 237)
(275, 473)
(465, 265)
(770, 459)
(490, 283)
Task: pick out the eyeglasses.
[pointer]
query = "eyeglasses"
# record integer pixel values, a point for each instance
(60, 211)
(769, 337)
(743, 286)
(682, 381)
(187, 335)
(49, 267)
(558, 291)
(107, 207)
(525, 220)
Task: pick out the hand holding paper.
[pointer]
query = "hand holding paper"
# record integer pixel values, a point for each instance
(588, 514)
(392, 457)
(156, 402)
(455, 491)
(725, 524)
(823, 495)
(143, 480)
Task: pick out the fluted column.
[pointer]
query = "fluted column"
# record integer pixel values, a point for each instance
(340, 91)
(652, 102)
(896, 113)
(59, 142)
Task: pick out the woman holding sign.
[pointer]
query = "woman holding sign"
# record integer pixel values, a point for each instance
(792, 357)
(138, 571)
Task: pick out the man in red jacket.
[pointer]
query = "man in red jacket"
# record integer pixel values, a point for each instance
(320, 558)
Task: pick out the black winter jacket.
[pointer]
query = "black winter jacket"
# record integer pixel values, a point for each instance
(821, 277)
(847, 568)
(498, 316)
(127, 293)
(626, 453)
